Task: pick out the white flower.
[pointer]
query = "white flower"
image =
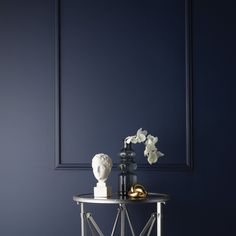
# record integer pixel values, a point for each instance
(150, 151)
(151, 140)
(130, 139)
(141, 135)
(149, 148)
(153, 156)
(138, 138)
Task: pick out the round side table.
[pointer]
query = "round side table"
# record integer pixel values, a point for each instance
(86, 218)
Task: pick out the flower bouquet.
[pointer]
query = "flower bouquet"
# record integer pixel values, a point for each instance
(128, 165)
(150, 151)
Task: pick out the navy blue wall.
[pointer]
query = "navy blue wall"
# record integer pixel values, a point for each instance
(36, 199)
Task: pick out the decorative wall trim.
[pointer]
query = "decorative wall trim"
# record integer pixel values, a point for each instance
(188, 165)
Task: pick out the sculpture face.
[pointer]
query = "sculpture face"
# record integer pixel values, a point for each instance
(100, 173)
(101, 164)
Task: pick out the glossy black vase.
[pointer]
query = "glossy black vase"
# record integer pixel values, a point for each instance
(127, 176)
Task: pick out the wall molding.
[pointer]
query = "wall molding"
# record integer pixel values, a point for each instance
(188, 165)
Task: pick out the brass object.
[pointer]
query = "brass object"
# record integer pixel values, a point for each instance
(137, 191)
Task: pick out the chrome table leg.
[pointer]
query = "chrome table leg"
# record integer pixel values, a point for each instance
(122, 220)
(130, 225)
(83, 222)
(93, 224)
(159, 219)
(115, 223)
(149, 225)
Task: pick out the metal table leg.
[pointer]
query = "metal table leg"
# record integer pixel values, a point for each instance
(93, 225)
(129, 221)
(149, 225)
(83, 223)
(159, 219)
(115, 223)
(122, 221)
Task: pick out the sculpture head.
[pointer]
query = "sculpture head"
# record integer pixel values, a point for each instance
(102, 165)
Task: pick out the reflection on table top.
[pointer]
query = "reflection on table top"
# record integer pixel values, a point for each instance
(116, 199)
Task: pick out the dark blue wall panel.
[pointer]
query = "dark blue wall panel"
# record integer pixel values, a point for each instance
(126, 64)
(36, 199)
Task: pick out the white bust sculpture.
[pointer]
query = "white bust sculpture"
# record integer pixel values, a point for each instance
(102, 165)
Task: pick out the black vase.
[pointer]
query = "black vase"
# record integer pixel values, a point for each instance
(127, 176)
